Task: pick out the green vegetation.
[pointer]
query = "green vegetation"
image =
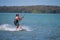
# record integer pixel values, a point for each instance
(31, 9)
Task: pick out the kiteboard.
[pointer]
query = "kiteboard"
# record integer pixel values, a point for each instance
(21, 29)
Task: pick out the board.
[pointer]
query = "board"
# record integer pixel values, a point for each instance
(21, 29)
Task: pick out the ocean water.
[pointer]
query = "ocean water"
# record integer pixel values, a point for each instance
(39, 26)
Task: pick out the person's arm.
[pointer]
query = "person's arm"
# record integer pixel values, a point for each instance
(20, 18)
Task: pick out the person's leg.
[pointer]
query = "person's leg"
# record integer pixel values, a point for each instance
(17, 24)
(21, 27)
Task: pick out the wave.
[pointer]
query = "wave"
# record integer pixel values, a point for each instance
(8, 27)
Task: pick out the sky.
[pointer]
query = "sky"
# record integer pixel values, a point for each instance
(29, 2)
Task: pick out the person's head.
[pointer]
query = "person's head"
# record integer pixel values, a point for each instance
(17, 14)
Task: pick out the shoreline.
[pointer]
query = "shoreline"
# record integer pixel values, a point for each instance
(30, 9)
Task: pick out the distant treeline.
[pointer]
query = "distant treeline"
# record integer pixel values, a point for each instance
(31, 9)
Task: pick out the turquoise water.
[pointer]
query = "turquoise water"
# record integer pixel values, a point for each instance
(43, 26)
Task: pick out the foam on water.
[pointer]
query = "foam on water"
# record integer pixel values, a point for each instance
(8, 27)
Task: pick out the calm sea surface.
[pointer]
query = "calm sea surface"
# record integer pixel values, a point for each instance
(43, 26)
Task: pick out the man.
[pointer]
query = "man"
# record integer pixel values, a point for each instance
(16, 21)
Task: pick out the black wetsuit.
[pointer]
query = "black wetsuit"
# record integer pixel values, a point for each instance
(16, 22)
